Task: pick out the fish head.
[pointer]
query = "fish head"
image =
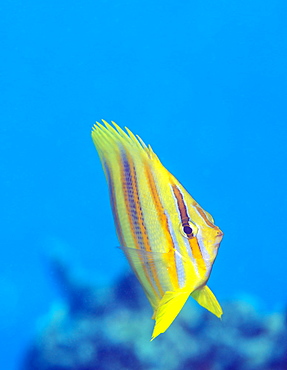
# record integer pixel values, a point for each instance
(196, 227)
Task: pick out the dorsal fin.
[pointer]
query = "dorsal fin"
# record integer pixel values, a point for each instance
(109, 139)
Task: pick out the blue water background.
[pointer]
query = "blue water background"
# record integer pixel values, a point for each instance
(203, 82)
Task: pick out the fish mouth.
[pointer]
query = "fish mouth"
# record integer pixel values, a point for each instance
(219, 233)
(218, 237)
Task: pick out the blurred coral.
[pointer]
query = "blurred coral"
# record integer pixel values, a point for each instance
(110, 328)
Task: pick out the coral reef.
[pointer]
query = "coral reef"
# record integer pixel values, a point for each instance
(109, 329)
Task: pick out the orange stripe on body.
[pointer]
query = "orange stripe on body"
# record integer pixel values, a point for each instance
(136, 220)
(164, 225)
(113, 202)
(197, 253)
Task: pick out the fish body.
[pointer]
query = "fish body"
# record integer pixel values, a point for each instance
(168, 239)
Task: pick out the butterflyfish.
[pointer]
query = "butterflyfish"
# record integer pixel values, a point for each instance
(169, 240)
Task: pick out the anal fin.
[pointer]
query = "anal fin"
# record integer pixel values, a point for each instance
(206, 299)
(167, 310)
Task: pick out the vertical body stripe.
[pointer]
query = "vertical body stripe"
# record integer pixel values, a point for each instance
(136, 218)
(165, 225)
(181, 275)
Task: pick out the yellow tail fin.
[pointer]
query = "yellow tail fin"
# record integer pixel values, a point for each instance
(167, 310)
(206, 299)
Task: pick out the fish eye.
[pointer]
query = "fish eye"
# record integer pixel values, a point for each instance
(188, 230)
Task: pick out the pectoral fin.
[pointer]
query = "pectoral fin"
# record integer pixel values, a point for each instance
(167, 310)
(206, 299)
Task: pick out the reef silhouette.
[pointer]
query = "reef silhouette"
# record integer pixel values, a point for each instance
(109, 328)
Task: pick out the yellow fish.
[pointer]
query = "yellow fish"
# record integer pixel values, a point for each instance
(168, 239)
